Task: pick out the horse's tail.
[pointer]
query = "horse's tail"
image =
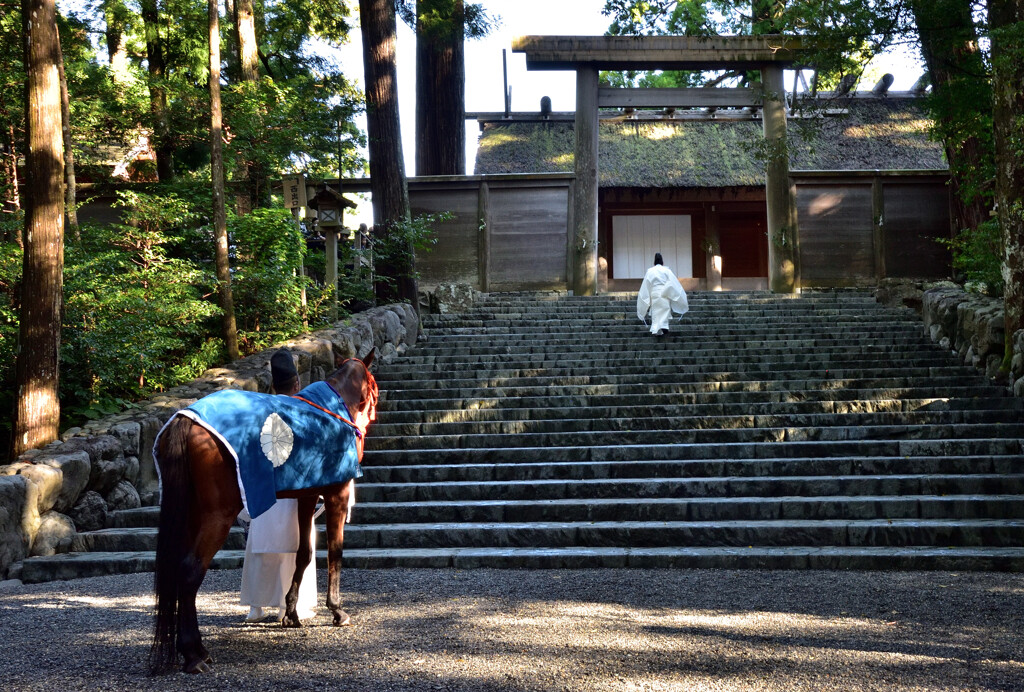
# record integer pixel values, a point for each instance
(171, 542)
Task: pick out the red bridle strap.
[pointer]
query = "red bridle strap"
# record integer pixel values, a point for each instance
(370, 410)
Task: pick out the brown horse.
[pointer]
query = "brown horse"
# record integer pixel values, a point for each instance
(200, 499)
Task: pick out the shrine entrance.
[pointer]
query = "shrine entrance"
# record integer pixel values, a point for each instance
(587, 55)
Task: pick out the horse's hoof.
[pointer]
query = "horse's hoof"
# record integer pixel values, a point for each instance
(198, 666)
(342, 619)
(287, 621)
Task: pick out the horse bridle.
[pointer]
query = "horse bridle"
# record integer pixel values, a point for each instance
(365, 415)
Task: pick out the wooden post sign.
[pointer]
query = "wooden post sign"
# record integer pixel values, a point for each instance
(294, 191)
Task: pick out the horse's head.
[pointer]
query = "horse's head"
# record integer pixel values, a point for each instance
(354, 381)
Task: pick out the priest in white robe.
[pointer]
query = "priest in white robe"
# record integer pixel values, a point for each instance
(661, 294)
(274, 537)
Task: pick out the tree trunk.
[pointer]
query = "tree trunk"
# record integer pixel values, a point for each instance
(1006, 19)
(251, 172)
(949, 46)
(37, 406)
(220, 226)
(440, 88)
(384, 135)
(70, 212)
(162, 143)
(115, 14)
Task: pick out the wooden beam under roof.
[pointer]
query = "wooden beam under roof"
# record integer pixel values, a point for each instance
(610, 97)
(657, 52)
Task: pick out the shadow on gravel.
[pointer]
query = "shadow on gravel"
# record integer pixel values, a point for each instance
(546, 630)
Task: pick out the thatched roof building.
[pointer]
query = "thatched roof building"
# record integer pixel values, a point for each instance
(719, 150)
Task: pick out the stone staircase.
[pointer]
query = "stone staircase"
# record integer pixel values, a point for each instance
(823, 431)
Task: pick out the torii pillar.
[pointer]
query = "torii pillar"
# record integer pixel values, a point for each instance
(589, 54)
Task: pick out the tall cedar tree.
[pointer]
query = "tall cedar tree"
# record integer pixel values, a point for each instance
(37, 406)
(387, 168)
(440, 87)
(251, 172)
(158, 108)
(952, 55)
(1006, 18)
(220, 225)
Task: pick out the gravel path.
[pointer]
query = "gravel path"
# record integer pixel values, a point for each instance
(545, 630)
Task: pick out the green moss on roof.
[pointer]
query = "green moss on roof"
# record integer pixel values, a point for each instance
(876, 134)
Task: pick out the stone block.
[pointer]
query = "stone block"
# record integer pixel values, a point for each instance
(14, 539)
(410, 320)
(48, 481)
(362, 336)
(75, 468)
(146, 480)
(90, 512)
(123, 496)
(342, 344)
(106, 473)
(452, 298)
(55, 535)
(320, 353)
(128, 435)
(131, 473)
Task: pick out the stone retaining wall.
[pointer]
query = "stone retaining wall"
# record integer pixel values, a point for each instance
(72, 484)
(972, 326)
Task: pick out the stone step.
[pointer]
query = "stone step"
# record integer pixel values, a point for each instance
(881, 385)
(598, 420)
(700, 487)
(1004, 405)
(627, 365)
(697, 436)
(722, 451)
(1004, 506)
(693, 468)
(696, 509)
(788, 532)
(845, 396)
(576, 326)
(682, 376)
(639, 532)
(673, 340)
(129, 539)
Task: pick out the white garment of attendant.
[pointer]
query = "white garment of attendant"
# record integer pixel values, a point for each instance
(662, 294)
(270, 561)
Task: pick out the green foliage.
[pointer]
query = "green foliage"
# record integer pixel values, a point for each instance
(266, 283)
(846, 34)
(10, 280)
(306, 121)
(403, 242)
(978, 256)
(133, 310)
(434, 17)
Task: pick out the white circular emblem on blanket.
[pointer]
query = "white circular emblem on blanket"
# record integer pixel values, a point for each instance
(276, 439)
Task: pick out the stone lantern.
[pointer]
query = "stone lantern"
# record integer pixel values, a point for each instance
(330, 208)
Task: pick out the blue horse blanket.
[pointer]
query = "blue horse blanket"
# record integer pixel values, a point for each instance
(280, 442)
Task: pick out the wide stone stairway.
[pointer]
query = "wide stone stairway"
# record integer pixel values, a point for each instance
(543, 431)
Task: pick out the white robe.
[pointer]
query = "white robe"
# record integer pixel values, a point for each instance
(270, 560)
(661, 294)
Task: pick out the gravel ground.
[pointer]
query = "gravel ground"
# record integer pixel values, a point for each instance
(545, 630)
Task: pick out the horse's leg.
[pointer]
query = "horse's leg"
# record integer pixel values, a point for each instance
(336, 513)
(217, 502)
(305, 553)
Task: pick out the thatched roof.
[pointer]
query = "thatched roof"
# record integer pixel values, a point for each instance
(873, 133)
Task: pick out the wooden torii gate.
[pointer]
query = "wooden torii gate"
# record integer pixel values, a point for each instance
(587, 55)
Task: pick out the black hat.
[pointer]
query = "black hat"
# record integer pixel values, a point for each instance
(282, 369)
